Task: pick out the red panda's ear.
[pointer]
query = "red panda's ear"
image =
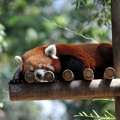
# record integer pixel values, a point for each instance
(51, 51)
(19, 60)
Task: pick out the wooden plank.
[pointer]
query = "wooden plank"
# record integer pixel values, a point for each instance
(115, 11)
(65, 90)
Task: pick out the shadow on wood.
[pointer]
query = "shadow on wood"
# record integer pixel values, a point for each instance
(65, 90)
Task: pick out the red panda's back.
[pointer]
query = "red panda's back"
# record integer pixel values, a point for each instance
(101, 53)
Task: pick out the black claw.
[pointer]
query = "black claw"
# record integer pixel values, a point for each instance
(18, 77)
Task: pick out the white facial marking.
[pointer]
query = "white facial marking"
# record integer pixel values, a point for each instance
(50, 67)
(51, 51)
(40, 65)
(39, 74)
(19, 59)
(31, 68)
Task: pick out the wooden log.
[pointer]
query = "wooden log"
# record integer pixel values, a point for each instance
(65, 90)
(109, 73)
(88, 74)
(68, 75)
(30, 77)
(49, 76)
(115, 12)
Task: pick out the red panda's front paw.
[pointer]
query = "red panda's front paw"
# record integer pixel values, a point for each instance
(16, 81)
(18, 77)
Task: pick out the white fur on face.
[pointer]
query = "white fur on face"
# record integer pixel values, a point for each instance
(31, 68)
(50, 67)
(39, 74)
(51, 51)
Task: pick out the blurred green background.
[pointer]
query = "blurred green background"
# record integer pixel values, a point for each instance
(25, 24)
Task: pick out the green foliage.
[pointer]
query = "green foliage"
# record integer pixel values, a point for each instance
(3, 44)
(107, 115)
(76, 32)
(21, 111)
(78, 106)
(96, 116)
(102, 14)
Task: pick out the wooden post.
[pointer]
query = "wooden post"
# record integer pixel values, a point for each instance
(115, 12)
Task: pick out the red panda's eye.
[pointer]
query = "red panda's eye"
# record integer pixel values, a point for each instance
(43, 66)
(31, 70)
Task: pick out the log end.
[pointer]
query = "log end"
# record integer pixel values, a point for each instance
(49, 76)
(30, 77)
(68, 75)
(109, 73)
(88, 74)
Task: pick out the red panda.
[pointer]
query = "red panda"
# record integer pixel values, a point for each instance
(59, 57)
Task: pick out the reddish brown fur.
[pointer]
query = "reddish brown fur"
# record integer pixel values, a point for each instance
(91, 54)
(37, 56)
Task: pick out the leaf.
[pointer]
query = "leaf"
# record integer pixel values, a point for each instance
(75, 31)
(107, 115)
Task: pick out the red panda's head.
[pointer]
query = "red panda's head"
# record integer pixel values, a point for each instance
(39, 60)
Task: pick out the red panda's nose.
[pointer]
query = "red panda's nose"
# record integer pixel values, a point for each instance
(39, 75)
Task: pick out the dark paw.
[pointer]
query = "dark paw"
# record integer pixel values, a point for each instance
(16, 81)
(18, 77)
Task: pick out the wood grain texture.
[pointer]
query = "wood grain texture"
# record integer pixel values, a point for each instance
(68, 75)
(115, 11)
(65, 90)
(88, 74)
(109, 73)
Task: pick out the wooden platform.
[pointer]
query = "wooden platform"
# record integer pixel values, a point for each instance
(65, 90)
